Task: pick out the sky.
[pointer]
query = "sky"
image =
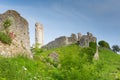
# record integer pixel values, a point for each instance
(63, 17)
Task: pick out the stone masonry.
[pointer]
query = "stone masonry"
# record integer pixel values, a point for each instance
(19, 28)
(82, 40)
(39, 37)
(85, 39)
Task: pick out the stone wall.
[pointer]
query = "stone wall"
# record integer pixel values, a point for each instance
(19, 28)
(82, 40)
(57, 42)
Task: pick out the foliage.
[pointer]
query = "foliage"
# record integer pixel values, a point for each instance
(111, 64)
(7, 23)
(93, 45)
(5, 38)
(36, 50)
(87, 53)
(21, 68)
(104, 44)
(115, 48)
(75, 63)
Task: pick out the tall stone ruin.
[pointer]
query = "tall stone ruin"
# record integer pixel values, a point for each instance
(39, 34)
(84, 40)
(19, 29)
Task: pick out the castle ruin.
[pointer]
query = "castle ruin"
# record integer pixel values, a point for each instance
(82, 40)
(21, 41)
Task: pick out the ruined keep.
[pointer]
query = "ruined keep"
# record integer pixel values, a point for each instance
(20, 32)
(82, 40)
(39, 36)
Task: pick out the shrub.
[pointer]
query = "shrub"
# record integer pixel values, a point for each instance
(87, 54)
(7, 23)
(37, 51)
(104, 44)
(4, 38)
(93, 45)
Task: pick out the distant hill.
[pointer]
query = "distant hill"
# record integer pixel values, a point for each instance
(65, 63)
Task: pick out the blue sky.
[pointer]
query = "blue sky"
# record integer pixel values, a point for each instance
(63, 17)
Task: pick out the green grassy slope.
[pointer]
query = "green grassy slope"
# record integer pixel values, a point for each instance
(111, 64)
(72, 64)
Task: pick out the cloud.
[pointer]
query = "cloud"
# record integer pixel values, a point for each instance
(69, 11)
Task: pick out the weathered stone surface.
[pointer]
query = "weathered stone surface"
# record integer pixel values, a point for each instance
(72, 39)
(54, 56)
(39, 35)
(19, 28)
(79, 36)
(58, 42)
(86, 39)
(89, 34)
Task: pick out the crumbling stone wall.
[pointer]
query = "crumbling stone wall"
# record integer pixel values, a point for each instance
(86, 39)
(82, 40)
(20, 30)
(63, 40)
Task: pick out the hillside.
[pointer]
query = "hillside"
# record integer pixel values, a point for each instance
(64, 63)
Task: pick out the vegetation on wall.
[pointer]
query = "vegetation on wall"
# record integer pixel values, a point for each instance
(7, 23)
(5, 38)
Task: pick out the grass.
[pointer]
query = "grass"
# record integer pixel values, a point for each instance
(71, 66)
(111, 61)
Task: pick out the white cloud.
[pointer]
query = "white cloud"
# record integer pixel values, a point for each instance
(69, 11)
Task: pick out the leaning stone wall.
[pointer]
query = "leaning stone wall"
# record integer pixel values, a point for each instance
(20, 30)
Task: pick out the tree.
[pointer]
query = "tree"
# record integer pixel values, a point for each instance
(104, 44)
(115, 48)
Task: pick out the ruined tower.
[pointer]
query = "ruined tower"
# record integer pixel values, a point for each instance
(39, 34)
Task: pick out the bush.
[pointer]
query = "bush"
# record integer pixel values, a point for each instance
(93, 45)
(4, 38)
(7, 23)
(104, 44)
(87, 53)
